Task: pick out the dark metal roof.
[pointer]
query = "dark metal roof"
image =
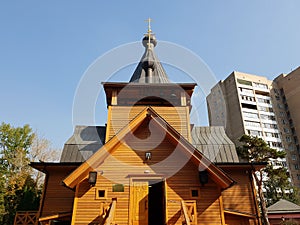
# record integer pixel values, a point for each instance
(85, 141)
(214, 144)
(149, 61)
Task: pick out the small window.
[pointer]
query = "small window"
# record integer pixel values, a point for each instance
(118, 188)
(194, 192)
(100, 193)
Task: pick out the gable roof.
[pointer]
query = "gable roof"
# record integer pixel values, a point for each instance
(283, 206)
(213, 143)
(148, 113)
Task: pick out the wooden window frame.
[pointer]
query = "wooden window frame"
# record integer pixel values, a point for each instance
(192, 189)
(97, 193)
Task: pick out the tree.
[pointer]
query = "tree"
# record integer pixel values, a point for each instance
(14, 169)
(278, 186)
(254, 149)
(20, 185)
(41, 151)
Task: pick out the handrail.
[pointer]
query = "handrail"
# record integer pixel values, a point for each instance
(185, 213)
(26, 218)
(110, 218)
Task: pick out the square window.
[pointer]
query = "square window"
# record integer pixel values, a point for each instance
(194, 192)
(100, 193)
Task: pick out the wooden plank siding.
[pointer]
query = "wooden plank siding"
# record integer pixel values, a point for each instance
(119, 116)
(240, 198)
(179, 188)
(57, 198)
(128, 160)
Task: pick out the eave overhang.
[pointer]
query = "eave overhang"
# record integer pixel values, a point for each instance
(45, 167)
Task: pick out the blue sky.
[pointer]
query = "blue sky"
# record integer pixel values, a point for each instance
(46, 46)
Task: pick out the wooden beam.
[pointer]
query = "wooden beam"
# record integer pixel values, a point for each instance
(185, 213)
(239, 213)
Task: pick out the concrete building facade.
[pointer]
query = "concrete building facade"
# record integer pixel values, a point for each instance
(288, 113)
(253, 105)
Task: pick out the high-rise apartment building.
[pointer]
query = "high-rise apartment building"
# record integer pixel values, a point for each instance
(287, 95)
(250, 104)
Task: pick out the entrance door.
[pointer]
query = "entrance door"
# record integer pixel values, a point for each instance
(147, 202)
(139, 203)
(156, 203)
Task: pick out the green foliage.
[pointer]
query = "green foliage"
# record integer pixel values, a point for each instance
(17, 189)
(278, 186)
(255, 149)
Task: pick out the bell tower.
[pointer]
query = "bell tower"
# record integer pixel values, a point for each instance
(149, 86)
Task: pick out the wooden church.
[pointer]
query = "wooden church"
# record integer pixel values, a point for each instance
(148, 165)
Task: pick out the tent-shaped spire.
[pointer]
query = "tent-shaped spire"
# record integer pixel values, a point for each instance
(149, 69)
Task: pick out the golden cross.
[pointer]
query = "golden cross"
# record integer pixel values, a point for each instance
(149, 25)
(149, 31)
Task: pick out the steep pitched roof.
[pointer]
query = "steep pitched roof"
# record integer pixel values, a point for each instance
(84, 142)
(82, 171)
(214, 144)
(283, 206)
(149, 61)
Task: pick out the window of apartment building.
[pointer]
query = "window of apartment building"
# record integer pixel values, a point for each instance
(280, 106)
(260, 85)
(251, 123)
(271, 126)
(248, 98)
(277, 97)
(246, 91)
(283, 121)
(294, 157)
(296, 166)
(265, 109)
(286, 107)
(248, 106)
(250, 115)
(276, 144)
(254, 133)
(283, 98)
(244, 82)
(270, 134)
(286, 130)
(291, 148)
(281, 113)
(288, 139)
(267, 117)
(262, 100)
(275, 90)
(298, 176)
